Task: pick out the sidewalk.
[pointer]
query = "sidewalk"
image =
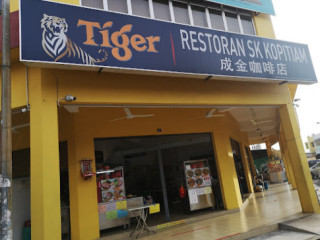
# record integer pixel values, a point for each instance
(262, 211)
(260, 214)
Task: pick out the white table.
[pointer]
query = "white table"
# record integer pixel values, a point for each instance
(141, 215)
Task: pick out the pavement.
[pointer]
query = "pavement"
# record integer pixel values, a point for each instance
(273, 214)
(304, 228)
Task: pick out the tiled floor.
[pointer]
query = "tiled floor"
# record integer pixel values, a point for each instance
(278, 204)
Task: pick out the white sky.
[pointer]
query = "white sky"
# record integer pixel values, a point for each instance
(298, 21)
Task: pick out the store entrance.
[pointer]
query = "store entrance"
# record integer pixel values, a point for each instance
(154, 168)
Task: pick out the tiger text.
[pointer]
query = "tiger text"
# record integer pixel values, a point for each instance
(119, 40)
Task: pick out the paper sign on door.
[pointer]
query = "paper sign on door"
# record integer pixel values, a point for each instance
(102, 208)
(112, 215)
(208, 190)
(122, 205)
(193, 197)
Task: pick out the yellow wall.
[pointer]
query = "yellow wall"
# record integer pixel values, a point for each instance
(308, 197)
(14, 5)
(264, 28)
(112, 88)
(92, 123)
(80, 129)
(44, 155)
(18, 85)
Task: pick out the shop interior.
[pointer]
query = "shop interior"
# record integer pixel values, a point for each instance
(154, 168)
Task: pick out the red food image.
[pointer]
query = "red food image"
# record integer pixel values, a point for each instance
(189, 173)
(107, 196)
(105, 184)
(198, 172)
(120, 183)
(191, 182)
(205, 171)
(199, 182)
(118, 194)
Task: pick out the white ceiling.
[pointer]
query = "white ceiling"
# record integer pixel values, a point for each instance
(258, 122)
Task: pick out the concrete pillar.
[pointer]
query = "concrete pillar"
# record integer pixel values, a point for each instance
(287, 160)
(226, 169)
(245, 162)
(84, 216)
(308, 198)
(251, 162)
(44, 163)
(269, 151)
(285, 163)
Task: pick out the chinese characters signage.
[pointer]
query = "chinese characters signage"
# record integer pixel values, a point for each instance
(69, 35)
(263, 6)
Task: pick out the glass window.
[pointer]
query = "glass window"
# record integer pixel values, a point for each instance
(199, 16)
(93, 3)
(161, 10)
(232, 22)
(118, 6)
(181, 13)
(247, 25)
(216, 19)
(140, 8)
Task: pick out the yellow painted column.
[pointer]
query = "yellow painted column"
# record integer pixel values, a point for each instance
(252, 164)
(226, 169)
(269, 151)
(308, 198)
(44, 163)
(285, 163)
(245, 162)
(291, 173)
(283, 146)
(84, 216)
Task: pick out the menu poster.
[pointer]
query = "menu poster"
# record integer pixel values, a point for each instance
(112, 189)
(193, 197)
(198, 177)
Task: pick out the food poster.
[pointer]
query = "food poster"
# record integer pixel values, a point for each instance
(112, 189)
(198, 177)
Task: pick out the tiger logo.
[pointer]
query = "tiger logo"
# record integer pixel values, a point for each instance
(56, 43)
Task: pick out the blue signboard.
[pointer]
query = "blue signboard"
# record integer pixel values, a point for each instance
(55, 33)
(262, 6)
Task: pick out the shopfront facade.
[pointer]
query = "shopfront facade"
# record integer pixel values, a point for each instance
(174, 102)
